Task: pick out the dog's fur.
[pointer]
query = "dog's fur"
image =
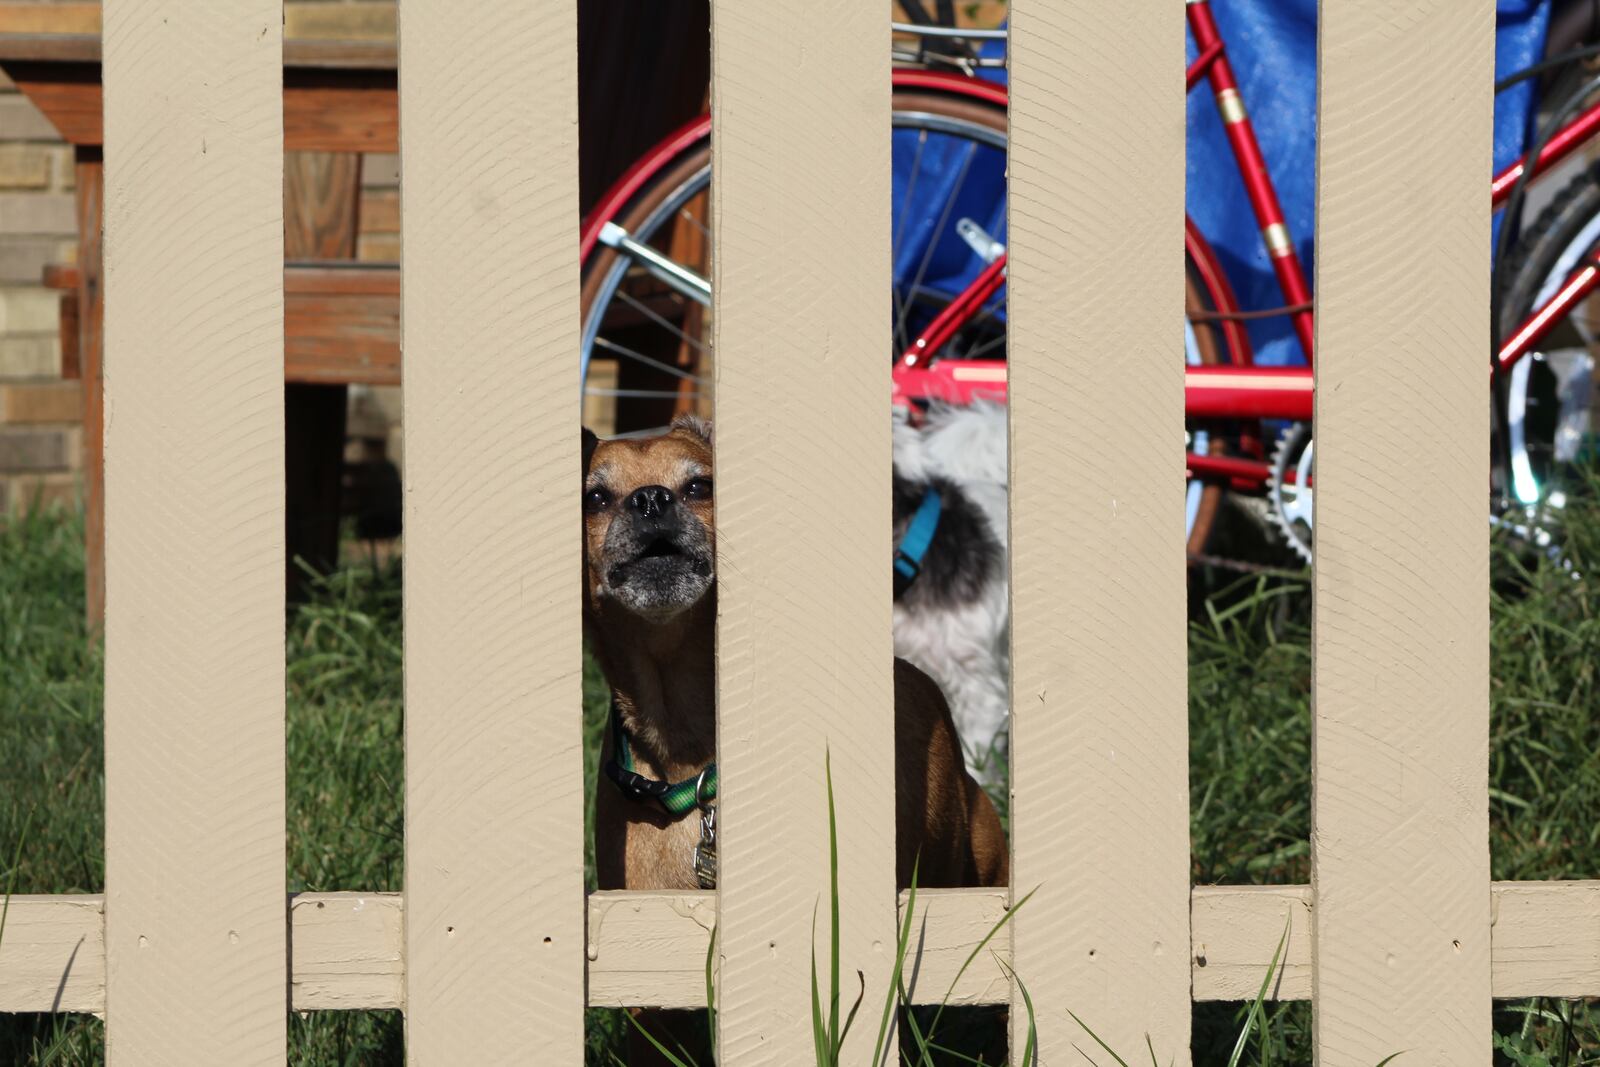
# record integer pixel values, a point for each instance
(649, 612)
(954, 622)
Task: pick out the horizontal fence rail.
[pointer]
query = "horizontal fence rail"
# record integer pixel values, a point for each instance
(649, 948)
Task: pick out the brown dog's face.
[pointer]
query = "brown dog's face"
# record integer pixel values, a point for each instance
(649, 537)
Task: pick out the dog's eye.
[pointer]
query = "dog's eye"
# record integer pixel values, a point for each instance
(697, 489)
(596, 500)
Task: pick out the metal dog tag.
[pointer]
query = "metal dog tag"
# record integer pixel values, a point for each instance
(705, 853)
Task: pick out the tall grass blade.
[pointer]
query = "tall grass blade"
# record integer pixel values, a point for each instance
(922, 1042)
(1030, 1047)
(1258, 1006)
(979, 947)
(834, 1040)
(15, 873)
(851, 1018)
(670, 1056)
(819, 1032)
(904, 941)
(1096, 1037)
(711, 993)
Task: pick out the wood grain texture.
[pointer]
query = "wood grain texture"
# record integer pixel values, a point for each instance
(89, 171)
(1400, 690)
(53, 955)
(325, 109)
(194, 458)
(321, 197)
(1233, 933)
(346, 950)
(494, 764)
(341, 324)
(648, 949)
(800, 163)
(1099, 815)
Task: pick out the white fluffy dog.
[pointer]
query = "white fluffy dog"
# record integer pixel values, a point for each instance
(954, 619)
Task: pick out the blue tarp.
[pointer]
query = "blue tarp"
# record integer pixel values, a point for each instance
(1272, 47)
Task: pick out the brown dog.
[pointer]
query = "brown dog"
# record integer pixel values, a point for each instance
(649, 610)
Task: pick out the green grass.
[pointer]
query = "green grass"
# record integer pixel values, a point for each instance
(1249, 738)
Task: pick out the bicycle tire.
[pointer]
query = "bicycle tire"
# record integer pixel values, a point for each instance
(1563, 233)
(693, 161)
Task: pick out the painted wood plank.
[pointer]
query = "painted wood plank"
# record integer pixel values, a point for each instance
(648, 949)
(194, 501)
(1400, 690)
(1099, 816)
(800, 106)
(494, 765)
(347, 951)
(53, 954)
(1233, 933)
(1546, 937)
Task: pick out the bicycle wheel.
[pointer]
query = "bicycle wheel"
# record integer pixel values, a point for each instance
(646, 352)
(1547, 391)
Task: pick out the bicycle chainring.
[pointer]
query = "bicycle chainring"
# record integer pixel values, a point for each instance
(1289, 490)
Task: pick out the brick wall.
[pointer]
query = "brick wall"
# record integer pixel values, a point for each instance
(39, 413)
(39, 438)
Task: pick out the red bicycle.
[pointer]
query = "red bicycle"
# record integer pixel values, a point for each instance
(646, 297)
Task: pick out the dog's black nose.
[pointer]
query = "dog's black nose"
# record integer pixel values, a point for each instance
(651, 500)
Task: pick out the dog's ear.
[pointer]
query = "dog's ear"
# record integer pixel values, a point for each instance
(695, 426)
(590, 443)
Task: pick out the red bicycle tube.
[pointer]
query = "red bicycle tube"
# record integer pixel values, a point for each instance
(1540, 323)
(1247, 392)
(1559, 147)
(956, 314)
(1202, 64)
(1253, 169)
(1247, 472)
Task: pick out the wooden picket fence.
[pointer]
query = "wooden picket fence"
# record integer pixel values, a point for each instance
(492, 950)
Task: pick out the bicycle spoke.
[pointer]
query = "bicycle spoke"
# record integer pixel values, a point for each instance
(637, 394)
(979, 346)
(640, 357)
(905, 215)
(938, 232)
(705, 231)
(659, 319)
(633, 435)
(978, 351)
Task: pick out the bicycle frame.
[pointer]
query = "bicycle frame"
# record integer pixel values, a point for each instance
(1238, 390)
(1241, 391)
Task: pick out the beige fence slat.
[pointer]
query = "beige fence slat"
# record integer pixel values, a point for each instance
(801, 203)
(194, 690)
(494, 811)
(1400, 850)
(1099, 816)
